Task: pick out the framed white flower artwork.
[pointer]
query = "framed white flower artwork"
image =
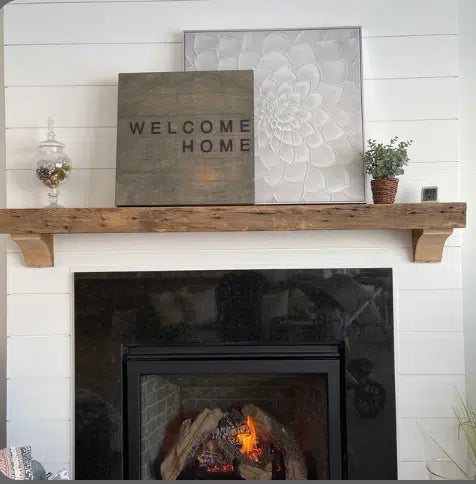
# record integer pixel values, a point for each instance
(308, 107)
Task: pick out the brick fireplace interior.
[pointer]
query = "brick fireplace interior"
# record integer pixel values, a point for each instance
(171, 367)
(303, 438)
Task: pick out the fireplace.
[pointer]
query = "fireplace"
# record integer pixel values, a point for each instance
(230, 412)
(249, 374)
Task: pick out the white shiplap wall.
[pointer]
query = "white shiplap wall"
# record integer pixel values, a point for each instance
(62, 59)
(467, 72)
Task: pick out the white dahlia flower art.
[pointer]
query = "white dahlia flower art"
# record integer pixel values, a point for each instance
(308, 108)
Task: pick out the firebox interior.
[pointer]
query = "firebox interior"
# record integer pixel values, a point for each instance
(297, 403)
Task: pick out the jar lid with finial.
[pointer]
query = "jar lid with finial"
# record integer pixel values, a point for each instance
(51, 143)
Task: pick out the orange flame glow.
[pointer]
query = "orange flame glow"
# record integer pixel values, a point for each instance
(224, 468)
(248, 441)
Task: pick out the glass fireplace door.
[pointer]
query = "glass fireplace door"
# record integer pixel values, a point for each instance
(233, 412)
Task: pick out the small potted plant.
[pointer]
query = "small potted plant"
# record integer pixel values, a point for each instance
(385, 163)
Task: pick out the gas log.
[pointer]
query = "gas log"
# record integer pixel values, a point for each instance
(191, 435)
(248, 444)
(273, 431)
(253, 473)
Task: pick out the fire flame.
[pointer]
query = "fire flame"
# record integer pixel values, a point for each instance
(250, 445)
(248, 441)
(224, 468)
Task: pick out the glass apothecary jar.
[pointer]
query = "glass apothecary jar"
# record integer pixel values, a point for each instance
(53, 165)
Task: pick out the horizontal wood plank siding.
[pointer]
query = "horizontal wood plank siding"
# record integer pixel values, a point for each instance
(130, 22)
(99, 64)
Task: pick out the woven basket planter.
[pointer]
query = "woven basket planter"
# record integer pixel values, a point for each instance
(384, 190)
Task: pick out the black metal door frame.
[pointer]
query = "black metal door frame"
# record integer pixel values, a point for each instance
(156, 360)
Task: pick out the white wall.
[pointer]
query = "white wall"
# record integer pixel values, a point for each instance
(3, 260)
(468, 176)
(62, 59)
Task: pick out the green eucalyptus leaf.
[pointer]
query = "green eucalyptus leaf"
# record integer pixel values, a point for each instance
(386, 161)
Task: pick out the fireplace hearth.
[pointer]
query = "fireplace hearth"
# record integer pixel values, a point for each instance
(249, 374)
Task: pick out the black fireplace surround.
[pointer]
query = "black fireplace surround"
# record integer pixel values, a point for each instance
(313, 348)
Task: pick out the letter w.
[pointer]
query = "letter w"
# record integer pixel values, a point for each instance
(136, 127)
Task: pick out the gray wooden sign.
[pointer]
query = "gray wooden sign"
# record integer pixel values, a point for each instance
(185, 138)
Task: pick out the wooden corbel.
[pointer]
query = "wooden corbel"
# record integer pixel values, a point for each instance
(428, 244)
(37, 249)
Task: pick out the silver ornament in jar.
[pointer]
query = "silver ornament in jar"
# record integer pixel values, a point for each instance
(54, 165)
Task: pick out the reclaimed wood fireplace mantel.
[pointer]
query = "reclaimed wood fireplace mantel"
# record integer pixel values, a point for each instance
(431, 223)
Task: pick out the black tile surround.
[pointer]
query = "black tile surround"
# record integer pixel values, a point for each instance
(312, 306)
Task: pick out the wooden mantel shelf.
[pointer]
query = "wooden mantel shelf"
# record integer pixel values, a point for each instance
(431, 223)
